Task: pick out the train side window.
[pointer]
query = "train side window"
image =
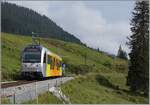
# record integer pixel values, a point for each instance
(51, 67)
(53, 63)
(49, 59)
(44, 58)
(58, 64)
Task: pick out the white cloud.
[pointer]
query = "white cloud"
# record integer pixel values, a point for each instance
(86, 23)
(92, 28)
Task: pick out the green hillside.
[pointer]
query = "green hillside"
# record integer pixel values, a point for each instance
(101, 80)
(73, 55)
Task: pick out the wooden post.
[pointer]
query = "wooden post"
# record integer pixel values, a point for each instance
(14, 98)
(48, 86)
(56, 83)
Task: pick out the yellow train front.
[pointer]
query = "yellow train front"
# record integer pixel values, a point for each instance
(39, 62)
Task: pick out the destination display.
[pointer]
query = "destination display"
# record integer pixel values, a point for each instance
(32, 49)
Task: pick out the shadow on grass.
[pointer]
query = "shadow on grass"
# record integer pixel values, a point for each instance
(105, 82)
(133, 93)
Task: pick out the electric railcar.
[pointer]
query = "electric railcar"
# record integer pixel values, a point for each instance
(39, 62)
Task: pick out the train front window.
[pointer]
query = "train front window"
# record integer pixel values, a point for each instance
(32, 57)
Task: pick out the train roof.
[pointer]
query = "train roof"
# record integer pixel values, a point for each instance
(52, 54)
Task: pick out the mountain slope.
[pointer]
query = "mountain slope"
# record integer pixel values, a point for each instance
(73, 54)
(21, 20)
(101, 80)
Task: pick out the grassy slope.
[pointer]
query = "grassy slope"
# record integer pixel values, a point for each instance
(72, 54)
(95, 89)
(105, 83)
(45, 98)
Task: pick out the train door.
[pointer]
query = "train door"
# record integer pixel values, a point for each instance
(52, 66)
(55, 66)
(48, 64)
(58, 64)
(44, 65)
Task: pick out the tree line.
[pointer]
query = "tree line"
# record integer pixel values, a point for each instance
(122, 54)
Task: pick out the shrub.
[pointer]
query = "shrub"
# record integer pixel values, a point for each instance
(107, 64)
(80, 69)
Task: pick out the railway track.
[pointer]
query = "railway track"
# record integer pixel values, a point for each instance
(21, 82)
(17, 83)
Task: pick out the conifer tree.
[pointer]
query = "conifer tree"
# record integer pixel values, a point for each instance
(122, 54)
(138, 74)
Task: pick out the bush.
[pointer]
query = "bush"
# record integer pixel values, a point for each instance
(80, 69)
(107, 64)
(103, 81)
(121, 66)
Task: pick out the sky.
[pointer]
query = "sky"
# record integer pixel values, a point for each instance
(99, 24)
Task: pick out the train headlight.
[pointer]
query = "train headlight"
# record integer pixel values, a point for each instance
(24, 66)
(38, 69)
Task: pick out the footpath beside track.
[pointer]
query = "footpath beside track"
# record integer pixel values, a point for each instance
(29, 91)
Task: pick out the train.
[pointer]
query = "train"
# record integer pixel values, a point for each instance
(39, 62)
